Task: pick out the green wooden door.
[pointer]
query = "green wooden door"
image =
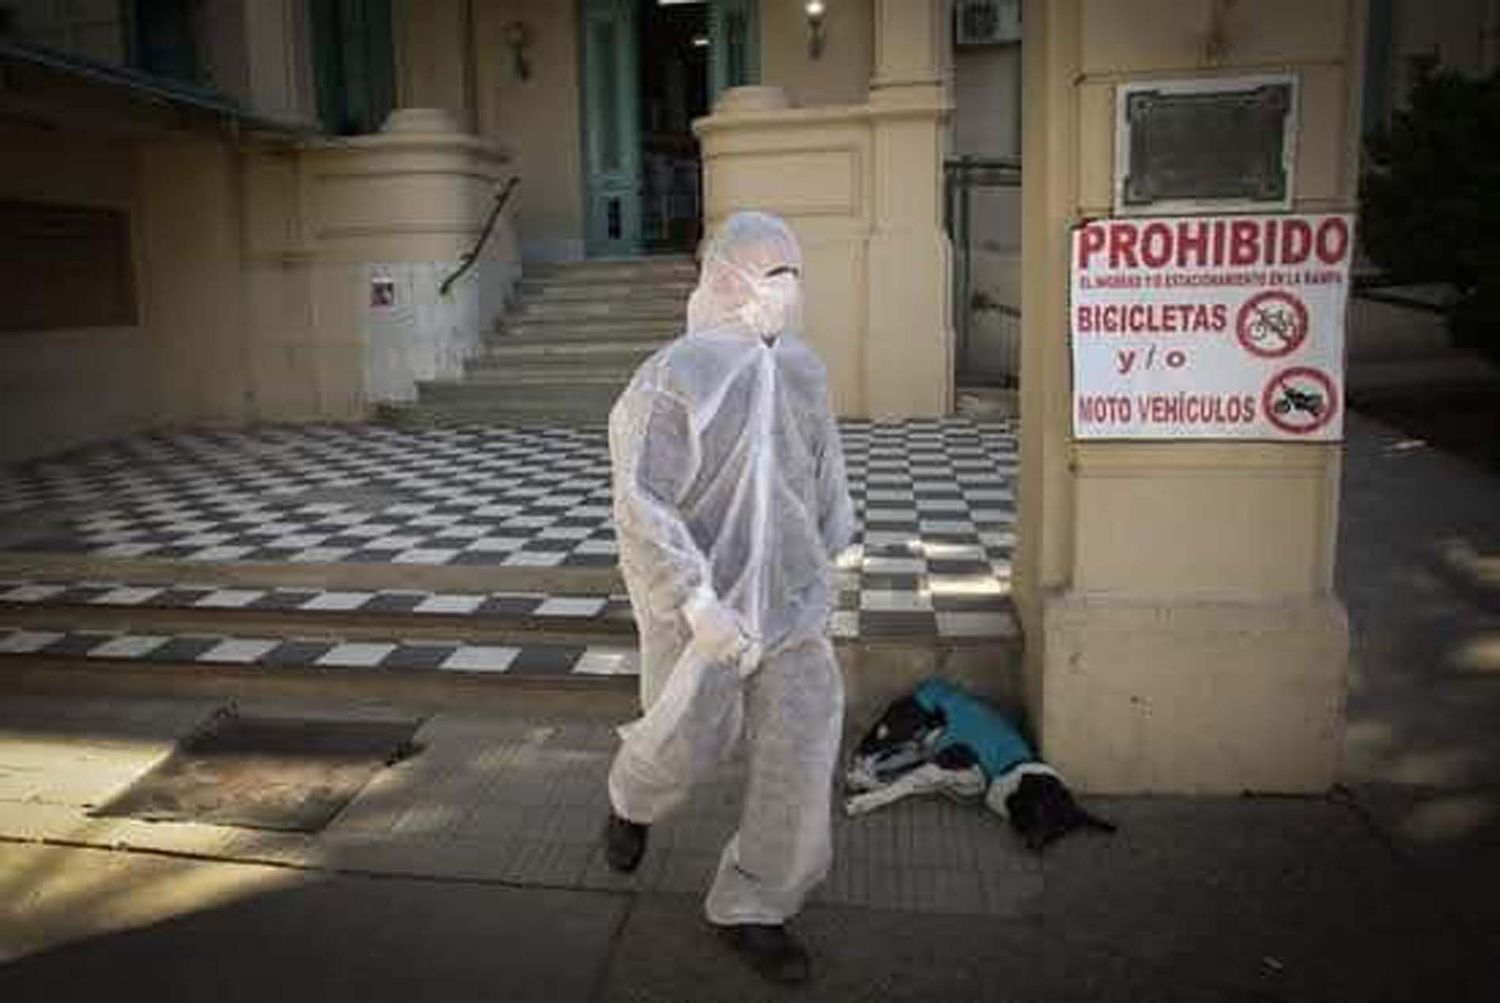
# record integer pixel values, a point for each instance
(353, 64)
(734, 45)
(611, 128)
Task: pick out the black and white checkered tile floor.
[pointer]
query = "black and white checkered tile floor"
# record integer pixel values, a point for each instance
(936, 500)
(524, 606)
(330, 494)
(322, 653)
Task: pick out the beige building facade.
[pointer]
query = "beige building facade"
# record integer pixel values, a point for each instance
(253, 239)
(1177, 597)
(1181, 629)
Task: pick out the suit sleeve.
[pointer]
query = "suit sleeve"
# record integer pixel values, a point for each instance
(836, 519)
(654, 454)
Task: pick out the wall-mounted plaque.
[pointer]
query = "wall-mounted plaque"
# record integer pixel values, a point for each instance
(65, 266)
(986, 22)
(1205, 145)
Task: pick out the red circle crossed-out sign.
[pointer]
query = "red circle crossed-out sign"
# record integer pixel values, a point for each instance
(1300, 400)
(1272, 324)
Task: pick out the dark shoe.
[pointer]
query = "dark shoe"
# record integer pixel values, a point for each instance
(624, 843)
(770, 950)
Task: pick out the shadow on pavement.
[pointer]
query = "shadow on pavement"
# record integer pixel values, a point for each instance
(342, 938)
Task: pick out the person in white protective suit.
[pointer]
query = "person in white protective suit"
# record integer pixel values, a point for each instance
(730, 503)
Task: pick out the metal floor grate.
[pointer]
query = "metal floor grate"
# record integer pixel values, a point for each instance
(286, 774)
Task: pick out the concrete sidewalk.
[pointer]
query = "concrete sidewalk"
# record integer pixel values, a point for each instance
(1420, 573)
(1198, 922)
(471, 871)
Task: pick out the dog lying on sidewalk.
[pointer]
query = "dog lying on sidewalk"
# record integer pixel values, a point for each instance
(943, 739)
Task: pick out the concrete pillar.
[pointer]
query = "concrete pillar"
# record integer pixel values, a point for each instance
(189, 231)
(1182, 633)
(909, 348)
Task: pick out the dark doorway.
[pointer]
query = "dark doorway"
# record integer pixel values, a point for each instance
(674, 46)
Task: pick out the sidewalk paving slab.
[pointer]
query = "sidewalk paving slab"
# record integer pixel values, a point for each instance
(267, 936)
(1295, 894)
(1422, 752)
(667, 955)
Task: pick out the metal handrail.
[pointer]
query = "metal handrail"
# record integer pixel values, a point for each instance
(999, 165)
(467, 260)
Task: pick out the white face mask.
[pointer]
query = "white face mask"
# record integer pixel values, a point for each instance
(774, 306)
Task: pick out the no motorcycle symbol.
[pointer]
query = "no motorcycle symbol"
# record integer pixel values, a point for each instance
(1300, 400)
(1272, 325)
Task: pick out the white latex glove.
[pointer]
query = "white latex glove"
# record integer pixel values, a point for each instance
(719, 633)
(750, 658)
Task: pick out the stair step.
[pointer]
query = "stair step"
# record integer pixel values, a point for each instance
(615, 269)
(565, 379)
(518, 634)
(507, 351)
(270, 651)
(567, 349)
(372, 627)
(319, 577)
(472, 617)
(480, 410)
(509, 412)
(547, 397)
(608, 311)
(548, 290)
(479, 616)
(552, 332)
(530, 373)
(398, 669)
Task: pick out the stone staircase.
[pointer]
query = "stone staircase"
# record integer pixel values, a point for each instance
(445, 636)
(569, 344)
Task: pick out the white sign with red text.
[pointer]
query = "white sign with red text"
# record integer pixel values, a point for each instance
(1210, 327)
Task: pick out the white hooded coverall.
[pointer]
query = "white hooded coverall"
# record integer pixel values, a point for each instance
(730, 503)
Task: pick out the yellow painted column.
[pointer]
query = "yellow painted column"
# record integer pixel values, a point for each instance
(188, 227)
(1182, 632)
(909, 347)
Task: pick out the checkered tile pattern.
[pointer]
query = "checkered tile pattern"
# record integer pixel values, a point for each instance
(485, 496)
(933, 556)
(321, 653)
(539, 606)
(937, 509)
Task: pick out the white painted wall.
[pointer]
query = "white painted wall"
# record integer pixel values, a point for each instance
(426, 335)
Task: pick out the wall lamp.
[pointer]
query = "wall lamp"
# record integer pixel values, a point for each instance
(815, 10)
(518, 39)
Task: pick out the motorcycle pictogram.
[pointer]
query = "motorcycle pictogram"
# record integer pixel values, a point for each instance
(1292, 399)
(1300, 400)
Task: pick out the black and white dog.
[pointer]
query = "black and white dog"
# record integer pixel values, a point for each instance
(945, 740)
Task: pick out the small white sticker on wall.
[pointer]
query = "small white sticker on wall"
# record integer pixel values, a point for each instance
(382, 292)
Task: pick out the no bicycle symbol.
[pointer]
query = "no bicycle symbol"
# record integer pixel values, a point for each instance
(1300, 400)
(1272, 325)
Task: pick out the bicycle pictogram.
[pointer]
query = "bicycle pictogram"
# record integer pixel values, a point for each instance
(1272, 325)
